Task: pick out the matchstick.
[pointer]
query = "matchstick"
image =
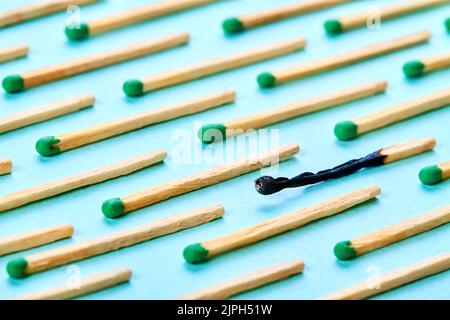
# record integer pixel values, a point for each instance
(94, 283)
(131, 17)
(246, 282)
(37, 10)
(26, 80)
(360, 19)
(53, 188)
(52, 145)
(375, 240)
(253, 20)
(40, 114)
(272, 79)
(418, 68)
(116, 207)
(435, 174)
(394, 279)
(14, 52)
(215, 132)
(348, 130)
(22, 267)
(34, 239)
(136, 88)
(200, 252)
(269, 185)
(5, 166)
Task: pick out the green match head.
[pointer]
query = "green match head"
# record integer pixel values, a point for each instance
(195, 253)
(413, 69)
(430, 175)
(333, 27)
(46, 146)
(447, 25)
(113, 208)
(346, 130)
(13, 84)
(344, 251)
(233, 25)
(212, 132)
(133, 88)
(16, 268)
(266, 80)
(77, 32)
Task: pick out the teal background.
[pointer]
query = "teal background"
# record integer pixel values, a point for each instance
(159, 269)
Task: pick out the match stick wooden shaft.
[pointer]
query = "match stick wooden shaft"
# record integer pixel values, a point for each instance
(40, 114)
(97, 61)
(388, 12)
(402, 111)
(110, 129)
(40, 9)
(248, 281)
(214, 66)
(351, 57)
(395, 279)
(94, 283)
(34, 239)
(275, 14)
(75, 252)
(142, 13)
(407, 149)
(46, 190)
(288, 221)
(5, 166)
(400, 231)
(206, 178)
(303, 107)
(14, 52)
(436, 62)
(445, 167)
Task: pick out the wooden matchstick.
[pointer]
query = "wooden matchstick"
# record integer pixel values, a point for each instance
(52, 145)
(136, 88)
(37, 10)
(375, 240)
(14, 52)
(131, 17)
(271, 79)
(34, 239)
(253, 20)
(418, 68)
(94, 283)
(5, 166)
(269, 185)
(435, 174)
(215, 132)
(248, 281)
(26, 80)
(348, 130)
(117, 207)
(40, 114)
(21, 267)
(50, 189)
(199, 252)
(394, 279)
(360, 19)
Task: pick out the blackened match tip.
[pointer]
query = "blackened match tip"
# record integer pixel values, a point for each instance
(267, 185)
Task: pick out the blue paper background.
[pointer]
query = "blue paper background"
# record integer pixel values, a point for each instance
(159, 269)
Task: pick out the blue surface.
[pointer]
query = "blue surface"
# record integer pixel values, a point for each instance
(159, 269)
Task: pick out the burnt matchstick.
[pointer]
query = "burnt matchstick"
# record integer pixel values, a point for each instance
(267, 185)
